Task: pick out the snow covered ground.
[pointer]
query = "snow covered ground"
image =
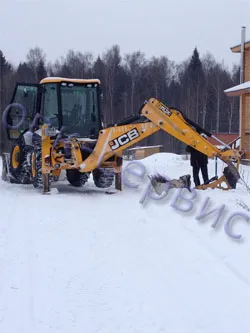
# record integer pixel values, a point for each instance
(84, 261)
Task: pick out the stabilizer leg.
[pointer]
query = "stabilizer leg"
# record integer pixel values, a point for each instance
(216, 184)
(118, 181)
(226, 182)
(46, 183)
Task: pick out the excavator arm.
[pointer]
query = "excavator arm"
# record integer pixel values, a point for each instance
(177, 125)
(154, 116)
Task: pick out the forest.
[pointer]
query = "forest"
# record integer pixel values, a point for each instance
(195, 86)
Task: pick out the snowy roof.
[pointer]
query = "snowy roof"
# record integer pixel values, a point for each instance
(63, 79)
(225, 137)
(237, 48)
(145, 147)
(239, 89)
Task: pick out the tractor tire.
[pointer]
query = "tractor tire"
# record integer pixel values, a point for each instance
(15, 163)
(76, 178)
(25, 172)
(4, 176)
(103, 177)
(39, 180)
(20, 167)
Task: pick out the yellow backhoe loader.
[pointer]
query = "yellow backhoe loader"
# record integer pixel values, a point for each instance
(57, 125)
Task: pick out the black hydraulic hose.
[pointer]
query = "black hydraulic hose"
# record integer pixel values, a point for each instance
(129, 120)
(192, 123)
(197, 127)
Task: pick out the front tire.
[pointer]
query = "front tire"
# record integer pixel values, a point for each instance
(36, 166)
(76, 178)
(103, 177)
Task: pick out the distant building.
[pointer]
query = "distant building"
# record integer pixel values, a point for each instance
(243, 91)
(230, 139)
(137, 153)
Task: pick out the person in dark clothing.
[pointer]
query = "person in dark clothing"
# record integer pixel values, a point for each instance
(199, 163)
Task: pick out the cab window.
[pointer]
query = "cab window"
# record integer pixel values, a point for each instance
(50, 105)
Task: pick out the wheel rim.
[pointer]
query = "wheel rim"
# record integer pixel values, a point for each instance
(15, 158)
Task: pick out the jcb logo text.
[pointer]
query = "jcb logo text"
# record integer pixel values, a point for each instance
(165, 110)
(124, 139)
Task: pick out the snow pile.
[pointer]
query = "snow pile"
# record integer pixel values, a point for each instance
(242, 86)
(84, 261)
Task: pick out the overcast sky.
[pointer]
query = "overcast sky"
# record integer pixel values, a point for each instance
(155, 27)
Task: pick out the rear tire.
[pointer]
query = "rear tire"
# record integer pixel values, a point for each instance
(20, 168)
(76, 178)
(15, 163)
(103, 177)
(4, 176)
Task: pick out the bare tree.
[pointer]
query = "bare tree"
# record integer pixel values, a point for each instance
(36, 59)
(79, 64)
(112, 61)
(208, 63)
(134, 63)
(6, 73)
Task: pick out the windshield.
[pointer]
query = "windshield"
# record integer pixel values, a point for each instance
(80, 109)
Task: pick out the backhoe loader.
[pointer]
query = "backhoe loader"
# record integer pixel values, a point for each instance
(57, 125)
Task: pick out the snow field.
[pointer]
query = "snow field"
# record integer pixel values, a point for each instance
(79, 260)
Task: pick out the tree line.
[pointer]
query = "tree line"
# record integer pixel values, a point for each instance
(195, 86)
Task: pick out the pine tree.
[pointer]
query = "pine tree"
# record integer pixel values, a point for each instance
(5, 68)
(194, 80)
(195, 66)
(25, 73)
(40, 70)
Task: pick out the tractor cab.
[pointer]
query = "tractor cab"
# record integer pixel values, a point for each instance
(71, 104)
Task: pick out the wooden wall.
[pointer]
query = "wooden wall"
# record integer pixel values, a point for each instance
(245, 99)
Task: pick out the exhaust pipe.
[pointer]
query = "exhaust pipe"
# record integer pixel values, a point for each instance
(243, 37)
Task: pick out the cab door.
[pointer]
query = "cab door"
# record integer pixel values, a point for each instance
(18, 116)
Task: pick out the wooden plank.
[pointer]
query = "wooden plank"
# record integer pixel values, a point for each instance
(245, 118)
(247, 65)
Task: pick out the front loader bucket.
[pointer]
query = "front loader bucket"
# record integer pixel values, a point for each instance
(161, 183)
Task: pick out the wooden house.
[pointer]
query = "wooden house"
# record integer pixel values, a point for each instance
(243, 91)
